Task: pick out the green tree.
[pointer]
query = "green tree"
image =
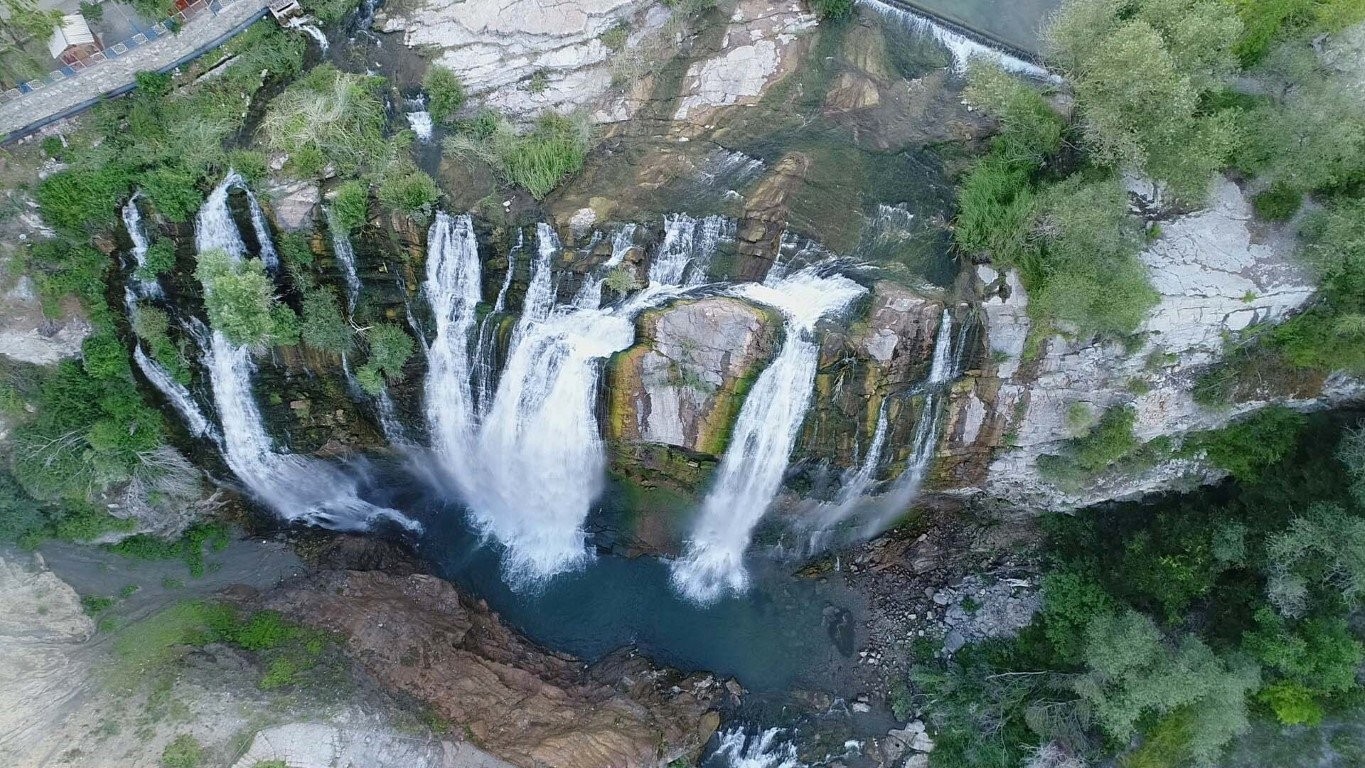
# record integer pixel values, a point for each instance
(240, 299)
(1140, 70)
(390, 348)
(1322, 549)
(323, 327)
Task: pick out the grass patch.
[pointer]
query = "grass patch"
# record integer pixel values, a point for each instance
(537, 160)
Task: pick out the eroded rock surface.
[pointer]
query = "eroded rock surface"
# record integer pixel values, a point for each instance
(1217, 272)
(415, 634)
(683, 381)
(527, 56)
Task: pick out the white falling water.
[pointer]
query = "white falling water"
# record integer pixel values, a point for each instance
(735, 748)
(944, 368)
(765, 432)
(345, 254)
(297, 488)
(305, 24)
(531, 463)
(962, 47)
(452, 288)
(420, 122)
(855, 484)
(485, 350)
(269, 257)
(177, 394)
(685, 252)
(590, 295)
(146, 287)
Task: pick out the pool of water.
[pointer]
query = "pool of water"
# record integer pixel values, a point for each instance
(784, 632)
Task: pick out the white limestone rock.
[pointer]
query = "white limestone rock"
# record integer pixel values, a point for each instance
(1217, 273)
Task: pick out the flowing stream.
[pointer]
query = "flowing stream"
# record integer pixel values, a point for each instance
(764, 434)
(962, 47)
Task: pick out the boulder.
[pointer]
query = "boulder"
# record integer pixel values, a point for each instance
(684, 380)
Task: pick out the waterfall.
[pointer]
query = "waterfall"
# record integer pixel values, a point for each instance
(146, 287)
(420, 122)
(590, 295)
(529, 463)
(943, 369)
(178, 396)
(687, 243)
(268, 255)
(764, 435)
(962, 47)
(855, 485)
(345, 254)
(305, 24)
(486, 349)
(295, 487)
(736, 748)
(452, 287)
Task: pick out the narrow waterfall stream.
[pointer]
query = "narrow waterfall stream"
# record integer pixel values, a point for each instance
(764, 434)
(146, 287)
(295, 487)
(345, 255)
(949, 349)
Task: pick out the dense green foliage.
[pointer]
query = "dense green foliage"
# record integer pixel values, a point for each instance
(832, 10)
(1246, 447)
(1168, 628)
(537, 160)
(1141, 70)
(183, 752)
(445, 93)
(390, 348)
(328, 119)
(409, 191)
(1072, 239)
(241, 303)
(323, 327)
(330, 11)
(351, 205)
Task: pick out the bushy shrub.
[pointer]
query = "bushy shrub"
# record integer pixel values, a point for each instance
(80, 199)
(445, 93)
(350, 206)
(832, 10)
(323, 327)
(409, 191)
(1279, 202)
(1245, 447)
(1140, 71)
(537, 160)
(240, 300)
(390, 349)
(184, 751)
(153, 83)
(159, 259)
(327, 118)
(330, 11)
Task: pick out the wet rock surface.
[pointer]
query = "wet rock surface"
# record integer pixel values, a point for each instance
(417, 635)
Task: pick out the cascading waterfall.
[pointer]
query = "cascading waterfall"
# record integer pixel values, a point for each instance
(486, 348)
(452, 288)
(269, 257)
(295, 487)
(177, 395)
(305, 24)
(419, 119)
(765, 432)
(737, 748)
(945, 366)
(856, 484)
(530, 462)
(146, 288)
(345, 254)
(688, 245)
(590, 295)
(962, 47)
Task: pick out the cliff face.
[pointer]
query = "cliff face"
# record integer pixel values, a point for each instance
(1217, 272)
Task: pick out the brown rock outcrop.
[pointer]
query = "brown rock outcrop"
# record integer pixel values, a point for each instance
(417, 635)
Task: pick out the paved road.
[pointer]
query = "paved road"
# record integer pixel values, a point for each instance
(199, 35)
